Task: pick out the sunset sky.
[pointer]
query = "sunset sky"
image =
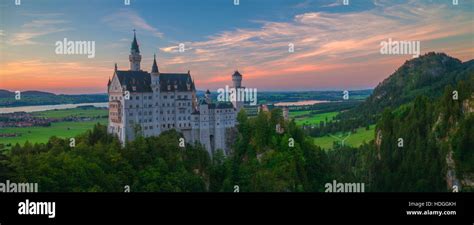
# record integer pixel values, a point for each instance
(336, 46)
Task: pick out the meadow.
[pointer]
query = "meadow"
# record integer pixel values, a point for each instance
(76, 112)
(354, 140)
(305, 117)
(62, 129)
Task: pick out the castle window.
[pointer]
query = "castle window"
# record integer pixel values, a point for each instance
(138, 106)
(149, 97)
(131, 106)
(172, 96)
(165, 96)
(150, 105)
(137, 98)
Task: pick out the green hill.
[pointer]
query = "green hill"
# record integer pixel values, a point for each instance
(426, 75)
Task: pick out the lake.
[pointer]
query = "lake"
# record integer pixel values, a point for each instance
(300, 103)
(37, 108)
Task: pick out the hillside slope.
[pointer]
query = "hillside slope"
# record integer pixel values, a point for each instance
(426, 75)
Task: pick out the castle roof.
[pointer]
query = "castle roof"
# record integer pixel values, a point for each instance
(134, 81)
(140, 81)
(176, 82)
(154, 68)
(135, 43)
(236, 73)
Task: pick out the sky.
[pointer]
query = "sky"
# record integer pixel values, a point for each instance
(336, 46)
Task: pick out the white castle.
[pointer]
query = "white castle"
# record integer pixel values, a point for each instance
(142, 103)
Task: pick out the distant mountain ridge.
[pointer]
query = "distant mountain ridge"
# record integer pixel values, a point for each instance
(30, 98)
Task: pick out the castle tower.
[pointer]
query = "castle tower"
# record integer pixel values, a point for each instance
(155, 75)
(155, 87)
(237, 81)
(208, 96)
(135, 58)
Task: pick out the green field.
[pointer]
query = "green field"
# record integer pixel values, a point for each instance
(60, 129)
(42, 134)
(310, 119)
(76, 112)
(354, 140)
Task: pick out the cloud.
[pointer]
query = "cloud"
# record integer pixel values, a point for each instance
(36, 28)
(324, 42)
(125, 19)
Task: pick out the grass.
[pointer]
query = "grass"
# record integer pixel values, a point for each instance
(354, 140)
(60, 129)
(77, 112)
(310, 119)
(42, 134)
(299, 113)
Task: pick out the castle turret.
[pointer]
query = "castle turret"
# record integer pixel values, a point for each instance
(208, 96)
(135, 58)
(154, 68)
(155, 76)
(237, 79)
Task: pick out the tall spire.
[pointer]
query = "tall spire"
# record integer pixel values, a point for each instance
(135, 43)
(154, 68)
(115, 66)
(135, 58)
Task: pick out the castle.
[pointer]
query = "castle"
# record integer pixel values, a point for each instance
(142, 103)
